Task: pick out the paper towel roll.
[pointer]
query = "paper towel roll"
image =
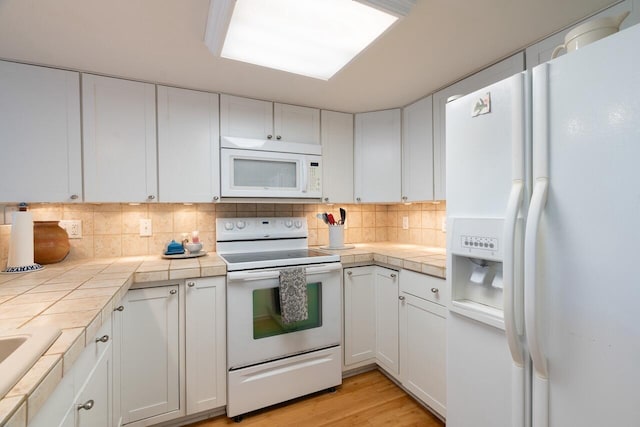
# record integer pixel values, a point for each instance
(21, 244)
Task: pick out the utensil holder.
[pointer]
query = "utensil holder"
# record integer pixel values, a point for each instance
(336, 236)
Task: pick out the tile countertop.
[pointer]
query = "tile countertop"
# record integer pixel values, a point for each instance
(76, 295)
(422, 259)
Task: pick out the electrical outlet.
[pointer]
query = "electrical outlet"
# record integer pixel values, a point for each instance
(145, 228)
(73, 227)
(444, 224)
(405, 222)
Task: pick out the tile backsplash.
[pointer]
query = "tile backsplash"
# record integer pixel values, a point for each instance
(111, 230)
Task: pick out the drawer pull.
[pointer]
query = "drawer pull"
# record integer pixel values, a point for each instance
(119, 308)
(401, 298)
(86, 405)
(393, 275)
(191, 284)
(349, 273)
(435, 290)
(103, 338)
(173, 292)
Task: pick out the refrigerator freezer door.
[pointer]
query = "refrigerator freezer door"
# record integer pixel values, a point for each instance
(587, 286)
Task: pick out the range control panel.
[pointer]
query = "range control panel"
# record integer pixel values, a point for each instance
(479, 242)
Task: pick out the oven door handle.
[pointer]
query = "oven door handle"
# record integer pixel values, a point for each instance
(248, 276)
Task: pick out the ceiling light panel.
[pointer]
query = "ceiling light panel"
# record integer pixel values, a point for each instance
(315, 38)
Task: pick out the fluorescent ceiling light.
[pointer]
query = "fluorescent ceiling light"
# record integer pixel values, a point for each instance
(315, 38)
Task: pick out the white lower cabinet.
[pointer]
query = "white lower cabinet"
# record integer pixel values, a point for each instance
(206, 344)
(150, 364)
(423, 332)
(84, 397)
(359, 315)
(371, 318)
(173, 350)
(387, 351)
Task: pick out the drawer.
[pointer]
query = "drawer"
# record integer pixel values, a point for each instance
(424, 286)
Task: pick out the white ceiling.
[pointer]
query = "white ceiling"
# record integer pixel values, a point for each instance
(439, 42)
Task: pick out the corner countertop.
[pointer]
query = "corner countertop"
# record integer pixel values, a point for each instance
(423, 259)
(76, 296)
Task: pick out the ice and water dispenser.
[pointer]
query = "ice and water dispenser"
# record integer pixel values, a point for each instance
(475, 247)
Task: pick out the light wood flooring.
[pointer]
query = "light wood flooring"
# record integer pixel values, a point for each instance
(368, 399)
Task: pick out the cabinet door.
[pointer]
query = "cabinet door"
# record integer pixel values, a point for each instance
(95, 399)
(150, 353)
(423, 348)
(377, 170)
(541, 52)
(386, 284)
(246, 118)
(490, 75)
(206, 344)
(40, 134)
(337, 156)
(119, 134)
(417, 151)
(293, 123)
(359, 315)
(188, 146)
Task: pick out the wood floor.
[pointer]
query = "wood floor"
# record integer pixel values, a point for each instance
(368, 399)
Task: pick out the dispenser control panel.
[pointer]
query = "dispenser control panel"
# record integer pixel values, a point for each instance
(479, 242)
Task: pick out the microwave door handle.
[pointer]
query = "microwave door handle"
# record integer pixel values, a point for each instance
(305, 176)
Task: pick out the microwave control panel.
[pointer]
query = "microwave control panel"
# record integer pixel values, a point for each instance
(315, 176)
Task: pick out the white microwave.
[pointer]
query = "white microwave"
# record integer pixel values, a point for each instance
(253, 168)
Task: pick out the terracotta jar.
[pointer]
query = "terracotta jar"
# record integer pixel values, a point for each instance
(50, 242)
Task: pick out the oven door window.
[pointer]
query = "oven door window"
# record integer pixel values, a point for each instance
(267, 319)
(265, 173)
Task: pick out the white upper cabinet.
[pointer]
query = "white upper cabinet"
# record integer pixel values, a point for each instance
(188, 146)
(252, 118)
(337, 155)
(541, 51)
(296, 124)
(40, 133)
(377, 166)
(417, 151)
(119, 129)
(246, 118)
(503, 69)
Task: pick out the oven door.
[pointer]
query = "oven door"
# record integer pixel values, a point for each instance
(248, 173)
(255, 331)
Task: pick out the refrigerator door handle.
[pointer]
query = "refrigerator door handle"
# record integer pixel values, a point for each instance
(510, 322)
(538, 202)
(508, 268)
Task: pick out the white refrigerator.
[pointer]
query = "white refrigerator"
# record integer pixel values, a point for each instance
(543, 244)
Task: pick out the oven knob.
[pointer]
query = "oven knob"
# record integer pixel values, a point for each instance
(228, 226)
(241, 224)
(288, 223)
(298, 224)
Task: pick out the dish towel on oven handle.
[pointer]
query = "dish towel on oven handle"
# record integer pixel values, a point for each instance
(293, 295)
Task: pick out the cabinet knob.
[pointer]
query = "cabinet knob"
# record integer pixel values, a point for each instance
(103, 338)
(216, 198)
(393, 275)
(191, 284)
(401, 298)
(435, 290)
(269, 136)
(119, 308)
(349, 273)
(151, 197)
(404, 198)
(278, 137)
(326, 199)
(357, 199)
(173, 292)
(86, 405)
(74, 197)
